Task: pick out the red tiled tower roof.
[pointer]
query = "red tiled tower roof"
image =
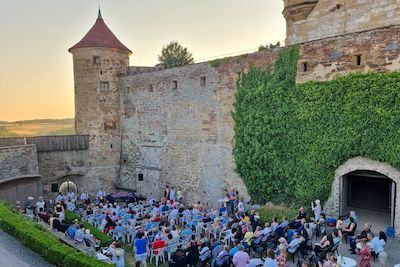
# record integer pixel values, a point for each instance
(100, 36)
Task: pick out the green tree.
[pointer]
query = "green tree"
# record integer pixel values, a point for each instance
(175, 55)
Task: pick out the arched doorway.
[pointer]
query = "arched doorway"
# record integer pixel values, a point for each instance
(358, 184)
(68, 186)
(372, 195)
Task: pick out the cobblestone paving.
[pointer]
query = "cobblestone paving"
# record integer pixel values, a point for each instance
(14, 254)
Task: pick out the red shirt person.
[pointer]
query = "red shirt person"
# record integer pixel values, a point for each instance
(158, 244)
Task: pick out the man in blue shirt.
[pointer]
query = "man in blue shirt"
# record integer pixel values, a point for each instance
(71, 230)
(141, 249)
(294, 244)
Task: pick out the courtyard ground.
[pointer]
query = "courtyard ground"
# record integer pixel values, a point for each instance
(14, 254)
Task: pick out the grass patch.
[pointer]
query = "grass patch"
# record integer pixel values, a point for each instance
(268, 212)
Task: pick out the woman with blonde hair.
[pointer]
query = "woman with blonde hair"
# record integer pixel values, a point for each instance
(281, 259)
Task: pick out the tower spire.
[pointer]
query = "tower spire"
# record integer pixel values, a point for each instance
(99, 15)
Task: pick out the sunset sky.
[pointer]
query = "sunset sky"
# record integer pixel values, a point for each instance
(36, 76)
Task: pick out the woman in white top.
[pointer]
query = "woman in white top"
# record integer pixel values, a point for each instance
(316, 209)
(40, 204)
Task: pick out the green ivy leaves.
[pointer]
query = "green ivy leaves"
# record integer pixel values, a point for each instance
(290, 139)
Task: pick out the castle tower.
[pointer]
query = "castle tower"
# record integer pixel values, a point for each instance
(99, 59)
(295, 11)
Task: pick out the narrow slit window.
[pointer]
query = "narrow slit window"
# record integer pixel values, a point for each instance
(150, 88)
(358, 60)
(174, 84)
(203, 81)
(305, 66)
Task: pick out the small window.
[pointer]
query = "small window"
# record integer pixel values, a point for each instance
(150, 88)
(110, 125)
(203, 81)
(54, 188)
(305, 66)
(174, 84)
(96, 60)
(104, 86)
(111, 146)
(358, 60)
(128, 90)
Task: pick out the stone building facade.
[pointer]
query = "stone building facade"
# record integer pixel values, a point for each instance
(147, 127)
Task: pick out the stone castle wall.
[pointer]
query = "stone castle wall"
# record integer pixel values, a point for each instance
(19, 173)
(177, 128)
(18, 162)
(379, 50)
(334, 18)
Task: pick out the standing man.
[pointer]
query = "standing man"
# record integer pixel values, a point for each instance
(179, 195)
(166, 192)
(172, 194)
(141, 249)
(232, 201)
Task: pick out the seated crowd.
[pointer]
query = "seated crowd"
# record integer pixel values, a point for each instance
(195, 235)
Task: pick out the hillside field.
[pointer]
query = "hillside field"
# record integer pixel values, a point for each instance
(37, 128)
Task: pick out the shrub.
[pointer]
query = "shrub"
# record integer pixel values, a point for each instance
(42, 242)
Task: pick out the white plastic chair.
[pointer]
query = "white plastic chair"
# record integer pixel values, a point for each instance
(157, 257)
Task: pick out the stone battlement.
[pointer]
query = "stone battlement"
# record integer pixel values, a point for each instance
(309, 20)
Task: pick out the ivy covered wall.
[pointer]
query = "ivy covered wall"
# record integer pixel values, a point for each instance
(290, 138)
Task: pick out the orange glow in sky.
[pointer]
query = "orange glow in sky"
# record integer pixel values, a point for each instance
(36, 75)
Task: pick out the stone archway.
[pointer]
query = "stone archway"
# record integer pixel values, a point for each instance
(336, 202)
(71, 181)
(68, 186)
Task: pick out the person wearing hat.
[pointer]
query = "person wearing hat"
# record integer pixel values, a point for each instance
(118, 255)
(89, 238)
